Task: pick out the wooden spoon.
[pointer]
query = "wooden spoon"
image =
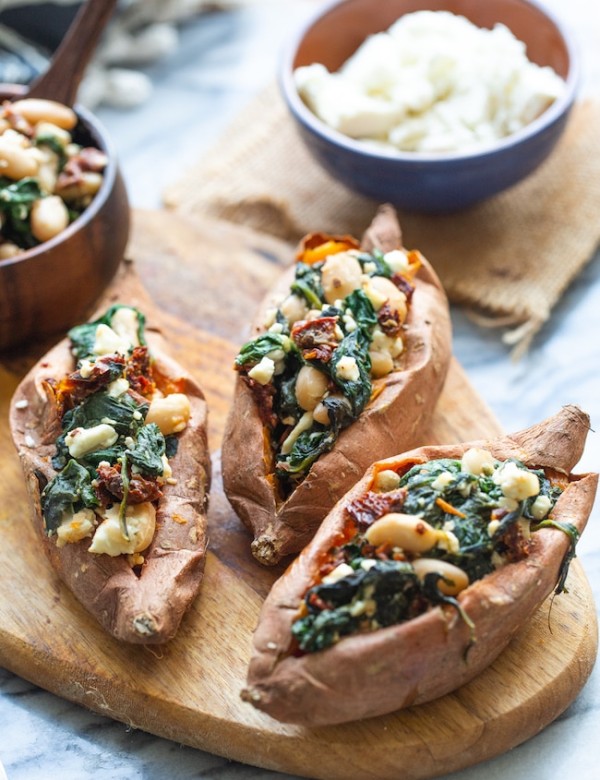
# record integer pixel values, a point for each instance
(61, 81)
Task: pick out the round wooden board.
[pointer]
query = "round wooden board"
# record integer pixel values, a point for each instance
(188, 690)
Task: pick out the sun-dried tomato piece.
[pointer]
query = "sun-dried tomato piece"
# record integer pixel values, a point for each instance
(389, 320)
(72, 389)
(109, 486)
(404, 286)
(263, 398)
(370, 507)
(316, 339)
(139, 372)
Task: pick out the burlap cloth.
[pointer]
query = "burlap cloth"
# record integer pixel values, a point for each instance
(508, 260)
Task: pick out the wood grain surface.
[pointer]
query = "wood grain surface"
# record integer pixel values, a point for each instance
(204, 279)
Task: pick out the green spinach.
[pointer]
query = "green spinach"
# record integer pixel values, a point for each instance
(69, 491)
(83, 336)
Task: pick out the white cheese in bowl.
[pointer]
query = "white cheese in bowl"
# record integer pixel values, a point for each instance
(434, 82)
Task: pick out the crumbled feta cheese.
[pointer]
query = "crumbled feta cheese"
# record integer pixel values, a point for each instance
(107, 342)
(493, 526)
(434, 82)
(341, 571)
(347, 368)
(118, 387)
(76, 527)
(85, 369)
(368, 563)
(397, 261)
(263, 371)
(477, 461)
(442, 481)
(540, 507)
(81, 441)
(349, 323)
(276, 327)
(125, 324)
(515, 482)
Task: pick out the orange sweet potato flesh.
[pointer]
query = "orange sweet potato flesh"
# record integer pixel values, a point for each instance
(145, 609)
(400, 409)
(424, 658)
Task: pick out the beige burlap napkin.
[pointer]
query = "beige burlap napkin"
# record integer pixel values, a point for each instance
(508, 259)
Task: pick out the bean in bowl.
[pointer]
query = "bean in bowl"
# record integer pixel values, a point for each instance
(49, 172)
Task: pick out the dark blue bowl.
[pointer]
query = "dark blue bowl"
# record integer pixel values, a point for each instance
(414, 181)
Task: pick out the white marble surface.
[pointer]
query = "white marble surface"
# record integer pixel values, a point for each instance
(222, 61)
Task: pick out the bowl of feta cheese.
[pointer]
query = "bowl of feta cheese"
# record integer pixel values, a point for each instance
(432, 105)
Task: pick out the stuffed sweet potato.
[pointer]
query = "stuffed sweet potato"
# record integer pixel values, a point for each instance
(351, 355)
(421, 575)
(112, 439)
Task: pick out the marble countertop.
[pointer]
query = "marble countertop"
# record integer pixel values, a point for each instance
(222, 61)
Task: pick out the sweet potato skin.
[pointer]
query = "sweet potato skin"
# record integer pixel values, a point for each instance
(424, 658)
(393, 420)
(146, 609)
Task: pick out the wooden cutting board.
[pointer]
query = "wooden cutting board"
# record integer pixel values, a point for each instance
(204, 279)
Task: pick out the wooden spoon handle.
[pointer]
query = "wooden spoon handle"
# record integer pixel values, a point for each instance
(61, 81)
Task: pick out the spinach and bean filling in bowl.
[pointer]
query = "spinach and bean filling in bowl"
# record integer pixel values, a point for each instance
(120, 419)
(419, 538)
(49, 172)
(339, 329)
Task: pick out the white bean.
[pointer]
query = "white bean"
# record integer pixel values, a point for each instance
(170, 413)
(395, 297)
(36, 110)
(340, 275)
(8, 250)
(88, 185)
(294, 308)
(387, 480)
(15, 163)
(311, 386)
(321, 415)
(49, 129)
(49, 217)
(409, 532)
(457, 579)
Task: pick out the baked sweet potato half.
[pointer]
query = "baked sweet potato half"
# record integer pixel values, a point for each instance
(421, 575)
(112, 439)
(349, 356)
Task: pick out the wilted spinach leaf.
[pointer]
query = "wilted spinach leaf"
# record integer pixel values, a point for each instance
(148, 451)
(378, 260)
(307, 284)
(101, 407)
(16, 200)
(391, 585)
(358, 391)
(69, 491)
(83, 336)
(307, 448)
(255, 350)
(362, 311)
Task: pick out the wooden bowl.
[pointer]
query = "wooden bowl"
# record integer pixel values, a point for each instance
(49, 288)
